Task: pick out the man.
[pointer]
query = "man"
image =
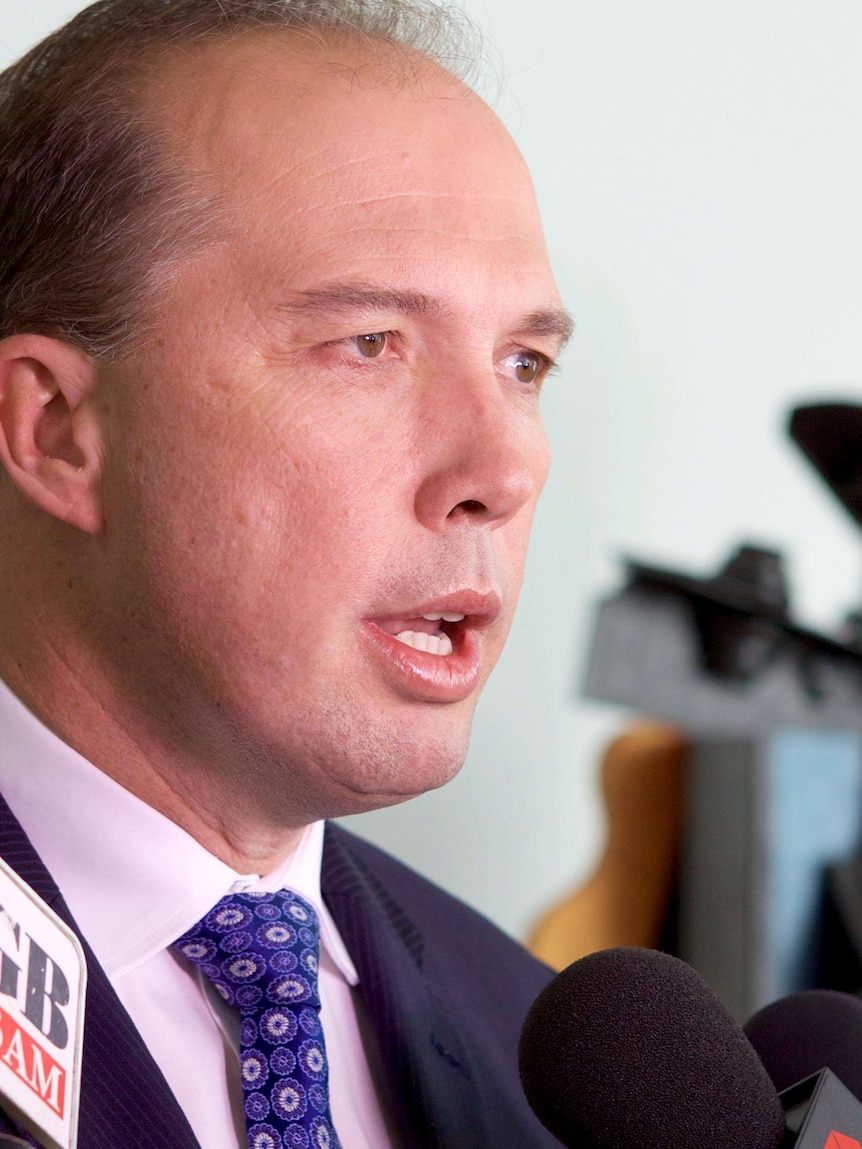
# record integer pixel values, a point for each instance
(275, 310)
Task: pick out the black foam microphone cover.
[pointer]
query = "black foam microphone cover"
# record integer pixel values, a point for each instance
(630, 1049)
(809, 1031)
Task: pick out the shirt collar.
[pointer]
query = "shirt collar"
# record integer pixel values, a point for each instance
(134, 880)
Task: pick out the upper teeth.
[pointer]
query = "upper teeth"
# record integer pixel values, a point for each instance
(445, 615)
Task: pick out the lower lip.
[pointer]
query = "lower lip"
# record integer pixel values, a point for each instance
(428, 677)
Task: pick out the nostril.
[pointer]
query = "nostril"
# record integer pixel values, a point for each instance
(468, 507)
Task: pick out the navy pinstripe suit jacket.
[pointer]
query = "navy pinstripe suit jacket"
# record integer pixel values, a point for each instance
(444, 990)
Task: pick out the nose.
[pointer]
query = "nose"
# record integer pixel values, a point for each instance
(487, 457)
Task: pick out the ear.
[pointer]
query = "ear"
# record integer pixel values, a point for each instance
(50, 437)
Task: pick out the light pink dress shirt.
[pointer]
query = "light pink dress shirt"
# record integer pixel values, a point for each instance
(135, 882)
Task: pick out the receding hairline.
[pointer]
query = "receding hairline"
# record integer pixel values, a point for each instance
(360, 60)
(191, 95)
(169, 77)
(97, 206)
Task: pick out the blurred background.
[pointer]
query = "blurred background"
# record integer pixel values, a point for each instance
(699, 175)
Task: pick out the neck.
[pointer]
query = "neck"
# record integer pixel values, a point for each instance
(63, 655)
(68, 695)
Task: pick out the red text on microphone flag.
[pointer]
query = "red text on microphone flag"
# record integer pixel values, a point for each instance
(841, 1141)
(35, 1066)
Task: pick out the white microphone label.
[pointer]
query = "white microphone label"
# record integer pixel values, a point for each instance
(43, 981)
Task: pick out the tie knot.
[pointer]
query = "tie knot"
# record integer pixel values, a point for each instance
(259, 950)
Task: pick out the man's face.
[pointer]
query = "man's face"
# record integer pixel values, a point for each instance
(335, 437)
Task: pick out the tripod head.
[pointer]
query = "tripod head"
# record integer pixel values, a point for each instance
(830, 436)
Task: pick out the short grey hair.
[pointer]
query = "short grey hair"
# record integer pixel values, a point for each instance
(94, 212)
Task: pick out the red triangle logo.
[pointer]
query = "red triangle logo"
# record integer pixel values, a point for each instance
(841, 1141)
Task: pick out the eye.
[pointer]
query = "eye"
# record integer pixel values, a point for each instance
(370, 346)
(527, 366)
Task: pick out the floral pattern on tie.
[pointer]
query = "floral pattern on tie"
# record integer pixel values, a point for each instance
(261, 951)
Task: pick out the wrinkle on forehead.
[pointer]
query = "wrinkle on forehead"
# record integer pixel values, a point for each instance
(319, 176)
(273, 114)
(209, 93)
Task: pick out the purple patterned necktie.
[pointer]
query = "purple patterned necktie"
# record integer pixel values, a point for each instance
(261, 952)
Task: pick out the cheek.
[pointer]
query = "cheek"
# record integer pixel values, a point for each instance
(265, 505)
(541, 455)
(340, 463)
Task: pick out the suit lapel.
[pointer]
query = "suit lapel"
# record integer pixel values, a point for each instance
(125, 1100)
(427, 1066)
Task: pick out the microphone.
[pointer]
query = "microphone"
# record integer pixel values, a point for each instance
(807, 1031)
(630, 1049)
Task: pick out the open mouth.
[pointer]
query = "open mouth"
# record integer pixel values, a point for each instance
(443, 637)
(434, 633)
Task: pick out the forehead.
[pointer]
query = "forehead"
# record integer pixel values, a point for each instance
(343, 146)
(276, 94)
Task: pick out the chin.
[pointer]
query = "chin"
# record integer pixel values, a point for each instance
(393, 775)
(387, 767)
(337, 760)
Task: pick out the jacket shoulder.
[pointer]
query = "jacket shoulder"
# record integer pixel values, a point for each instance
(455, 938)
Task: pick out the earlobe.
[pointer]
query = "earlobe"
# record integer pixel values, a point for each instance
(49, 428)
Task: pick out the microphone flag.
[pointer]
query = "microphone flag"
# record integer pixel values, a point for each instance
(822, 1113)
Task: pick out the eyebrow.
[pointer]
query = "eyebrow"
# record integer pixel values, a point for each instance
(345, 298)
(348, 299)
(549, 322)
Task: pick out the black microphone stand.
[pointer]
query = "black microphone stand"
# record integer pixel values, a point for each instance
(770, 889)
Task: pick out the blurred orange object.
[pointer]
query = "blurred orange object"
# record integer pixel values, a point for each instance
(626, 901)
